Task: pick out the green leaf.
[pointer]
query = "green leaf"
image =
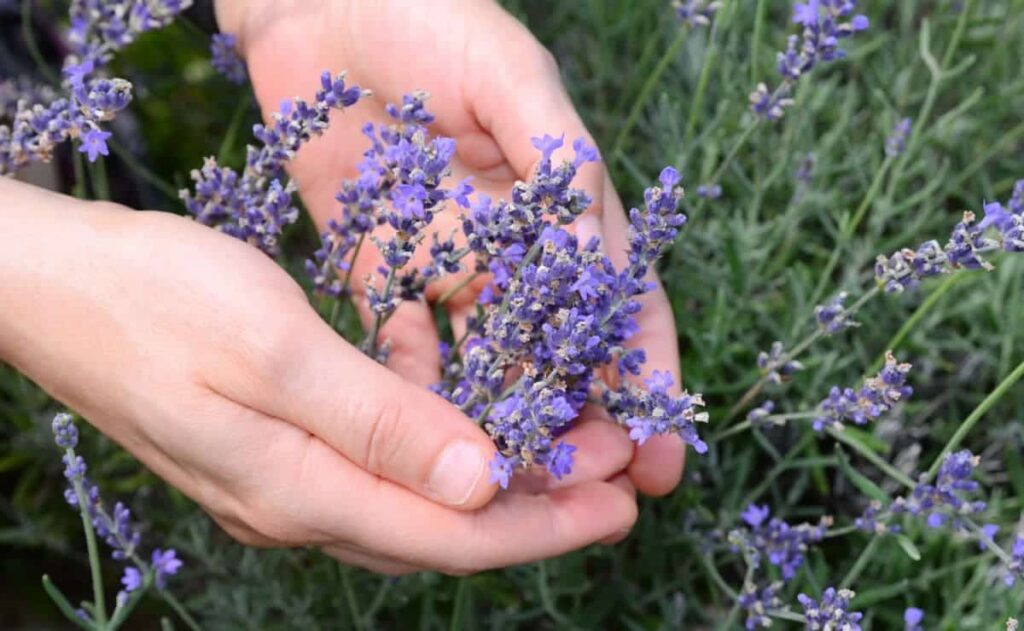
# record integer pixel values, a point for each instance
(908, 547)
(858, 479)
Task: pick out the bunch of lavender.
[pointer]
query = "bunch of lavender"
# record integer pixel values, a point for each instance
(98, 30)
(1002, 228)
(877, 395)
(824, 22)
(254, 205)
(116, 529)
(782, 544)
(559, 311)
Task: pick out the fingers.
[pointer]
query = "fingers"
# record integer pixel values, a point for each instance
(378, 420)
(377, 515)
(623, 482)
(495, 95)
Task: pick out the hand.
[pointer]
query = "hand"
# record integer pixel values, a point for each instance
(493, 87)
(200, 356)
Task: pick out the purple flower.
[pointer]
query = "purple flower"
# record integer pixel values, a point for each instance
(1015, 569)
(896, 143)
(776, 365)
(547, 145)
(94, 144)
(165, 563)
(832, 613)
(756, 515)
(501, 469)
(912, 618)
(948, 499)
(132, 579)
(825, 23)
(696, 12)
(559, 462)
(225, 59)
(832, 317)
(783, 545)
(65, 433)
(758, 416)
(876, 396)
(756, 602)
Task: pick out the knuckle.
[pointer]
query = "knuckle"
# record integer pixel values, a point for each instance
(385, 433)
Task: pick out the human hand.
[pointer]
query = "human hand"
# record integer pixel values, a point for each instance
(493, 87)
(200, 356)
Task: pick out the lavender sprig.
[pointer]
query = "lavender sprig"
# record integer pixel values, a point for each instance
(825, 23)
(877, 395)
(782, 544)
(255, 206)
(832, 612)
(225, 60)
(117, 531)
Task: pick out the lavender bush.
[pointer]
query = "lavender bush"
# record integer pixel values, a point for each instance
(858, 465)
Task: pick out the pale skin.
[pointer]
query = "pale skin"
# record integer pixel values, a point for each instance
(205, 360)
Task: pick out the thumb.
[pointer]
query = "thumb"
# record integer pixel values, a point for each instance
(383, 423)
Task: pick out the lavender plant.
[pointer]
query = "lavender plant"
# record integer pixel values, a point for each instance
(116, 528)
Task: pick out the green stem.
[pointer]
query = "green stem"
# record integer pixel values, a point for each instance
(645, 93)
(460, 604)
(350, 598)
(873, 458)
(378, 320)
(465, 282)
(96, 570)
(352, 264)
(79, 189)
(98, 177)
(974, 417)
(134, 164)
(228, 143)
(33, 46)
(545, 597)
(929, 102)
(850, 228)
(697, 103)
(179, 609)
(62, 603)
(860, 563)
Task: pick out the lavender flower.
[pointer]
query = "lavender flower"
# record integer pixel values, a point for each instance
(824, 23)
(709, 191)
(1001, 228)
(832, 613)
(255, 206)
(875, 520)
(783, 544)
(98, 30)
(896, 143)
(116, 527)
(225, 60)
(1015, 569)
(696, 12)
(947, 500)
(912, 619)
(833, 317)
(758, 416)
(655, 411)
(876, 396)
(776, 365)
(399, 185)
(756, 601)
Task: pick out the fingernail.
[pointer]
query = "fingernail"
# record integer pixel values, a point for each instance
(457, 473)
(588, 227)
